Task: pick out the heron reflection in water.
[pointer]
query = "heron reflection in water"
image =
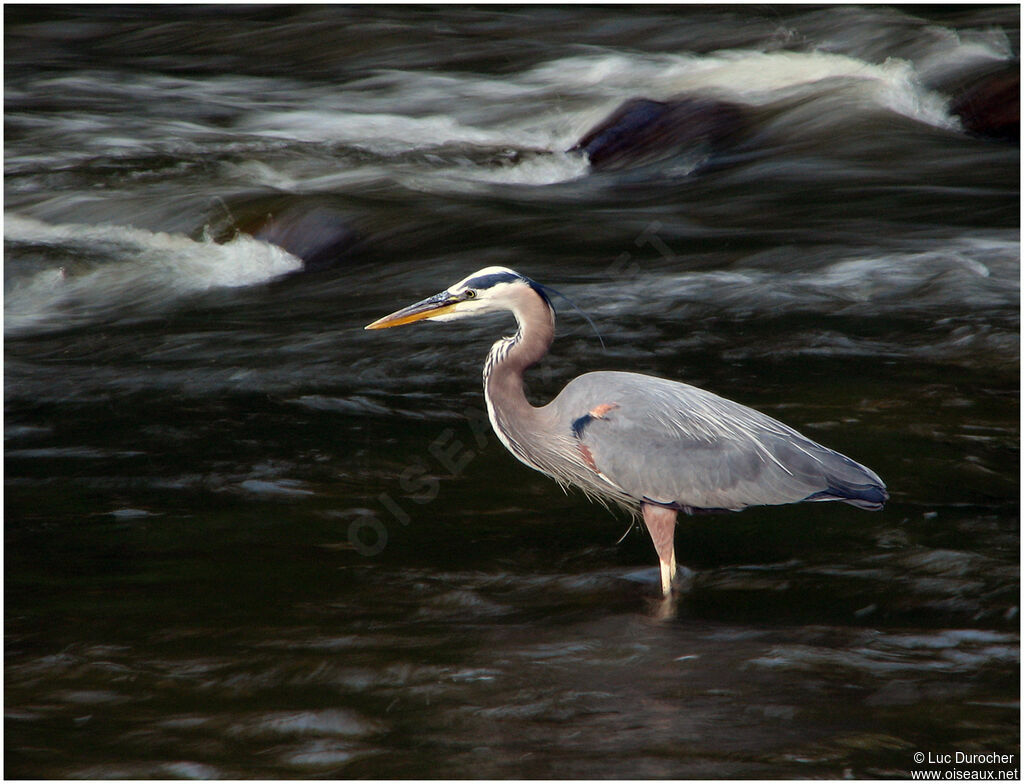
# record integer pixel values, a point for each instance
(654, 446)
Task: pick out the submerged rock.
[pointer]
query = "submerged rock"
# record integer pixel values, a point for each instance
(321, 237)
(990, 105)
(642, 131)
(317, 232)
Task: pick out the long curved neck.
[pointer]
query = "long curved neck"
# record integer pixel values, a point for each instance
(511, 415)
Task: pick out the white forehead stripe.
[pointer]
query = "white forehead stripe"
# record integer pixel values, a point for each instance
(486, 278)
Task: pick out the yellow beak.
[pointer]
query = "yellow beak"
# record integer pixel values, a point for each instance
(437, 305)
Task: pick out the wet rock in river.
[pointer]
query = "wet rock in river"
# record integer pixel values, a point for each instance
(643, 131)
(989, 106)
(315, 231)
(320, 237)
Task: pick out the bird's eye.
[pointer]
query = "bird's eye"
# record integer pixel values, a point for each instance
(469, 294)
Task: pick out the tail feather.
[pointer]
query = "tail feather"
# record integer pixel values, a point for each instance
(863, 496)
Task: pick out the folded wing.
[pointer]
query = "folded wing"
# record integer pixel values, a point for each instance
(677, 445)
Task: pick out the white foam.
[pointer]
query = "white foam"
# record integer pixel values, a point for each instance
(531, 111)
(392, 112)
(748, 76)
(379, 133)
(977, 273)
(964, 50)
(143, 269)
(532, 170)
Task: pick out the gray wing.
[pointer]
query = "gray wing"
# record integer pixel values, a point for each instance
(677, 445)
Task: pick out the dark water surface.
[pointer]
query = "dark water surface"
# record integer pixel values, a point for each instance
(192, 434)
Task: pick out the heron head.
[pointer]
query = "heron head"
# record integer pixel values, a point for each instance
(485, 291)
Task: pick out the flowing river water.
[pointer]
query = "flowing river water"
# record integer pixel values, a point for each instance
(246, 538)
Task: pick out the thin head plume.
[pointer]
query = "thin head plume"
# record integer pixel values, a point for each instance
(590, 321)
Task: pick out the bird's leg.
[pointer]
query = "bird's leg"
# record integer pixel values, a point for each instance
(661, 525)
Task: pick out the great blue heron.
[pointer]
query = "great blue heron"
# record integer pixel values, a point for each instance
(651, 445)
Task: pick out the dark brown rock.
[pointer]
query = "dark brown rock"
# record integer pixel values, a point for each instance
(990, 106)
(643, 131)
